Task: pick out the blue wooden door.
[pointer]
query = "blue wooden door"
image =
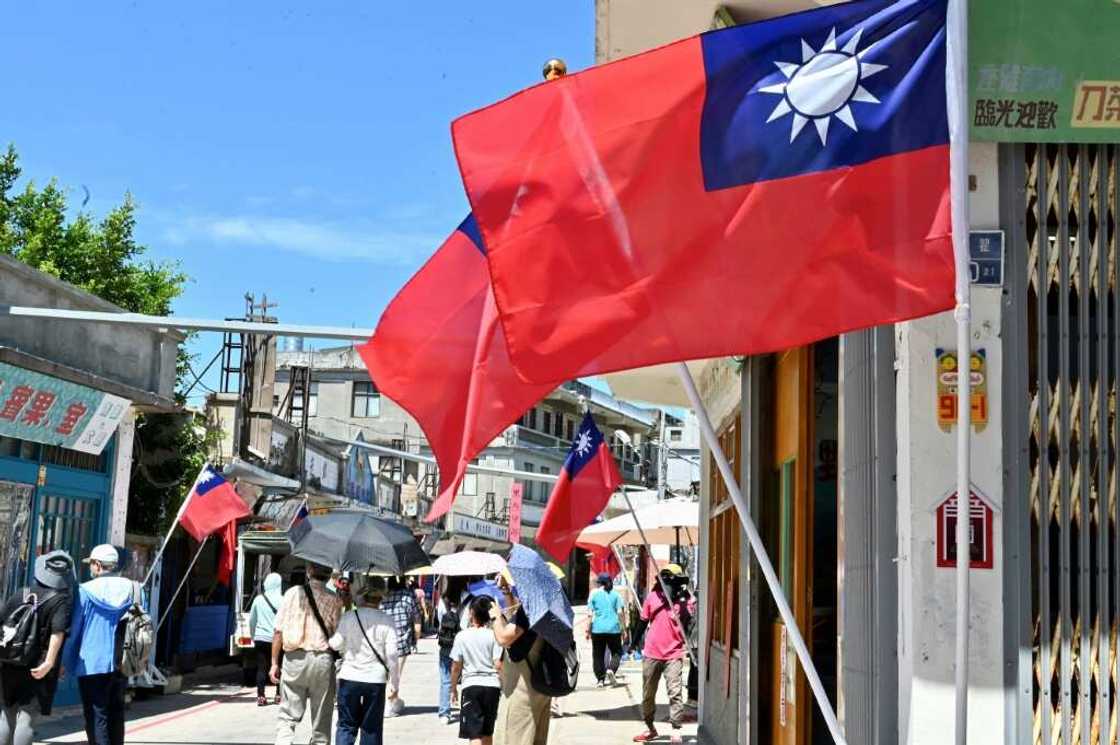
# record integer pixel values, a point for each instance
(70, 522)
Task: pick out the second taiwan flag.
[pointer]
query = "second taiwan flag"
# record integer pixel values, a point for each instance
(582, 491)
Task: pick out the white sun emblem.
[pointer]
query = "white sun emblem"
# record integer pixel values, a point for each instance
(583, 443)
(823, 85)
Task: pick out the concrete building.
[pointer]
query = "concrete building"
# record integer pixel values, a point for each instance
(343, 404)
(845, 451)
(69, 396)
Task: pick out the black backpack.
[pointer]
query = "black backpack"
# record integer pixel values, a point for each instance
(555, 674)
(19, 633)
(448, 629)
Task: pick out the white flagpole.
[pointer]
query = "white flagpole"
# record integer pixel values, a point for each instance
(709, 434)
(171, 530)
(956, 82)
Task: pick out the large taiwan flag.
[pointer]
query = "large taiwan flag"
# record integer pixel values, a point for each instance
(582, 490)
(744, 191)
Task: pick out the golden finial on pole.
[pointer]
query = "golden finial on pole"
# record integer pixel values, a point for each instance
(554, 68)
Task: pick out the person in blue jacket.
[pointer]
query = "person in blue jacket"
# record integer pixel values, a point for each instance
(89, 651)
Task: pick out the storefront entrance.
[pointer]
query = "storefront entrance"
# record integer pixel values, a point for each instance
(798, 521)
(51, 498)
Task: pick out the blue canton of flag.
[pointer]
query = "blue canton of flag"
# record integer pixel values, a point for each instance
(869, 76)
(585, 446)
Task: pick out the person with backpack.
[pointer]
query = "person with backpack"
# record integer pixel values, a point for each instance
(305, 622)
(445, 637)
(477, 661)
(92, 653)
(36, 620)
(663, 655)
(367, 639)
(262, 623)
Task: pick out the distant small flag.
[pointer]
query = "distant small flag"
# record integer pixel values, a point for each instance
(212, 503)
(585, 485)
(301, 514)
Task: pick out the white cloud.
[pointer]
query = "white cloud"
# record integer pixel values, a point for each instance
(331, 240)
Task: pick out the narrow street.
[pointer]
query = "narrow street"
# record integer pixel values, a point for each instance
(224, 714)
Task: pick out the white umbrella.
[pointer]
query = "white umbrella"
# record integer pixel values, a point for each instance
(672, 522)
(660, 384)
(468, 563)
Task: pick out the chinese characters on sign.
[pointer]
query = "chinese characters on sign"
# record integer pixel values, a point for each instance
(980, 544)
(1041, 71)
(1096, 104)
(1006, 112)
(947, 389)
(1018, 79)
(40, 408)
(985, 254)
(515, 499)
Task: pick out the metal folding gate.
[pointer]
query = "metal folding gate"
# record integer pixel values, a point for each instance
(1064, 550)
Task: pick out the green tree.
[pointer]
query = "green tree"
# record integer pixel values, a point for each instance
(103, 258)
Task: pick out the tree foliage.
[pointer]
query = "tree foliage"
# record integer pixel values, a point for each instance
(103, 258)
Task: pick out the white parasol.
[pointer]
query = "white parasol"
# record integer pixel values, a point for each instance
(468, 564)
(669, 523)
(659, 384)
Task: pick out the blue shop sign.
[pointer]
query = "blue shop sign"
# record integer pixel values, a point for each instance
(43, 409)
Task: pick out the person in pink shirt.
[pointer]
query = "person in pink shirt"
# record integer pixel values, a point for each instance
(663, 655)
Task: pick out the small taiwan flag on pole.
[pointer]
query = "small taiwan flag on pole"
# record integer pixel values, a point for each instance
(212, 503)
(582, 491)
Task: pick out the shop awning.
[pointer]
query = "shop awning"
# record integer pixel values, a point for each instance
(245, 471)
(274, 542)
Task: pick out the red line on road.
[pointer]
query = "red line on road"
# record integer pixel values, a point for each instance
(177, 715)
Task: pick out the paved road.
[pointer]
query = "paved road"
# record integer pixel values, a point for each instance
(226, 714)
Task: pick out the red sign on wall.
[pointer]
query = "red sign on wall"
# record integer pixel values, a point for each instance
(515, 493)
(980, 532)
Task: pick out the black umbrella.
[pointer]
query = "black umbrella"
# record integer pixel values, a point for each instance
(356, 542)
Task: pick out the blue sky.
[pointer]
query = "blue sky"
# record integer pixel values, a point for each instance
(298, 149)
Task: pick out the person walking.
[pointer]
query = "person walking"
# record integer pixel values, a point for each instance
(605, 626)
(476, 661)
(52, 591)
(422, 604)
(445, 638)
(262, 624)
(305, 622)
(90, 648)
(367, 639)
(400, 604)
(524, 714)
(663, 656)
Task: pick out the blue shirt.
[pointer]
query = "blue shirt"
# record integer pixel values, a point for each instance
(605, 607)
(92, 640)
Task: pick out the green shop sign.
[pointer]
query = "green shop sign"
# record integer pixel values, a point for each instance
(43, 409)
(1044, 71)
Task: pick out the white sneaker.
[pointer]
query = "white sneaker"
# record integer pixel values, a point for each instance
(611, 677)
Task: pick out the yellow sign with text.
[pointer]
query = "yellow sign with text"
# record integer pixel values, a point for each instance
(947, 389)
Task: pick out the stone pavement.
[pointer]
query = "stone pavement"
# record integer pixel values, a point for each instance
(226, 714)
